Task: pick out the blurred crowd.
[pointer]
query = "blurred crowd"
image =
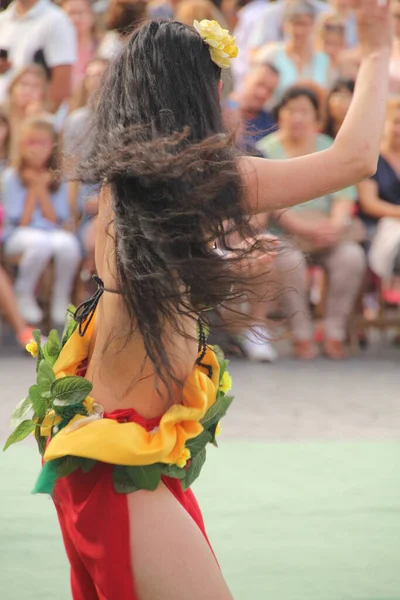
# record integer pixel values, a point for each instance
(286, 96)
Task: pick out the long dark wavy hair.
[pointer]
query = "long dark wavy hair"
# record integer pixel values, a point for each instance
(159, 143)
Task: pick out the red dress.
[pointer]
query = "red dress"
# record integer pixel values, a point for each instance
(94, 521)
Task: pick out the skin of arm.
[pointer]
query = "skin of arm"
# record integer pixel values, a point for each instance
(341, 213)
(30, 205)
(73, 188)
(60, 85)
(374, 206)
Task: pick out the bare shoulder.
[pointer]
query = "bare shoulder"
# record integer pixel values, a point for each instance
(168, 551)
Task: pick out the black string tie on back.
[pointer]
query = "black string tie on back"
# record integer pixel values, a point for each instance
(85, 311)
(203, 348)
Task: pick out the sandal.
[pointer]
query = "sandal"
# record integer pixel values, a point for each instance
(305, 350)
(334, 349)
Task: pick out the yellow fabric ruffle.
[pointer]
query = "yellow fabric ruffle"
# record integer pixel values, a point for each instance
(108, 441)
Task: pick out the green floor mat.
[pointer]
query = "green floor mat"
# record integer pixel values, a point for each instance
(287, 521)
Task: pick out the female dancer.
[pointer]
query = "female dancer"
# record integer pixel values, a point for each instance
(166, 198)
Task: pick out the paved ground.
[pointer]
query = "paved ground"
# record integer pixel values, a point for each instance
(301, 501)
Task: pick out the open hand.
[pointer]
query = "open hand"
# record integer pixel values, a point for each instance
(374, 25)
(258, 259)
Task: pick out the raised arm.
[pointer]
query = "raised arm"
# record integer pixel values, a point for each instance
(272, 184)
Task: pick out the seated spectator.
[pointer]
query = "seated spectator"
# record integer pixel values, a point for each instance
(9, 310)
(380, 203)
(37, 31)
(258, 88)
(270, 27)
(295, 58)
(189, 10)
(248, 16)
(27, 97)
(337, 105)
(80, 109)
(36, 213)
(4, 141)
(83, 198)
(322, 228)
(82, 17)
(343, 10)
(332, 41)
(121, 18)
(394, 66)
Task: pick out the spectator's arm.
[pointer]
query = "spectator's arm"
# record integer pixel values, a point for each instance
(29, 208)
(72, 190)
(60, 53)
(293, 223)
(372, 205)
(60, 85)
(46, 205)
(342, 211)
(61, 205)
(14, 197)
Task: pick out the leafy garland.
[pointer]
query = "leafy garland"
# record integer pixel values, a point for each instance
(55, 402)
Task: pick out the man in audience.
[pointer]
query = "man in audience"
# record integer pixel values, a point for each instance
(258, 87)
(37, 31)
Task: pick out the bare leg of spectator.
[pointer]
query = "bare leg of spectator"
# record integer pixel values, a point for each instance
(67, 256)
(345, 266)
(257, 340)
(35, 249)
(291, 269)
(9, 309)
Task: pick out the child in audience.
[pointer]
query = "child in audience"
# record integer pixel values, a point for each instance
(36, 218)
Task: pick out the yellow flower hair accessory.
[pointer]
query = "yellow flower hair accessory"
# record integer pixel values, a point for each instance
(220, 41)
(32, 348)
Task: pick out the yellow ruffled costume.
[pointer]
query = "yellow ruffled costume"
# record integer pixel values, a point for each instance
(129, 444)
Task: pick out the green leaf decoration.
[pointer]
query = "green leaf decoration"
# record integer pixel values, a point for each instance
(199, 442)
(48, 477)
(20, 411)
(147, 477)
(38, 339)
(174, 471)
(86, 464)
(70, 325)
(20, 433)
(69, 391)
(39, 403)
(45, 376)
(52, 348)
(67, 465)
(212, 430)
(217, 411)
(223, 363)
(193, 470)
(41, 441)
(122, 482)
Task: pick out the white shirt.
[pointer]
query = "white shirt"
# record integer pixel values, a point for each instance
(248, 17)
(111, 45)
(44, 27)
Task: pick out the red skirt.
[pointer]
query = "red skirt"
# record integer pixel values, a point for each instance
(95, 526)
